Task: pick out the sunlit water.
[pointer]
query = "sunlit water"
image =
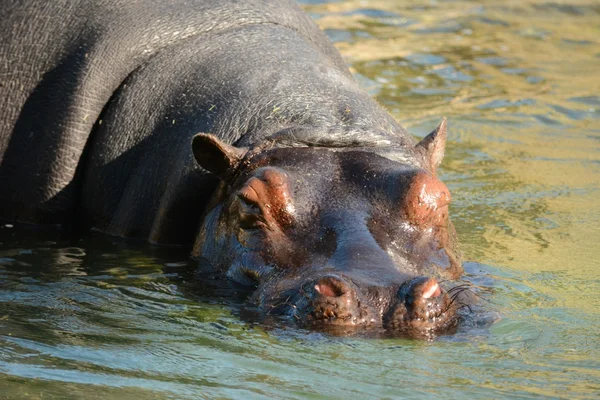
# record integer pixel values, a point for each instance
(520, 83)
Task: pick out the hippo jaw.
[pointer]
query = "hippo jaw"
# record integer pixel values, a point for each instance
(333, 237)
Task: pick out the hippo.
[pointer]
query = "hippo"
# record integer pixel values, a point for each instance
(234, 128)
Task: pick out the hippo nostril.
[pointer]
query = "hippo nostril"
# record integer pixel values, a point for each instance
(422, 308)
(330, 286)
(430, 289)
(332, 300)
(420, 288)
(326, 290)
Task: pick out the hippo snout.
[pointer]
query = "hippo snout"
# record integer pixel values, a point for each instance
(418, 307)
(339, 303)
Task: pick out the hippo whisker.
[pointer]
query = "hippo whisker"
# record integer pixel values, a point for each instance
(455, 298)
(459, 289)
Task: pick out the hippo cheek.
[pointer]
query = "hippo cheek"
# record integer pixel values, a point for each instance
(249, 269)
(423, 309)
(435, 251)
(425, 208)
(251, 239)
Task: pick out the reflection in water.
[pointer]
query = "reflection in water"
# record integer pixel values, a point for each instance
(519, 82)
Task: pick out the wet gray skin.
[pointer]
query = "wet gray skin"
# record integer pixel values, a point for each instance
(331, 212)
(336, 238)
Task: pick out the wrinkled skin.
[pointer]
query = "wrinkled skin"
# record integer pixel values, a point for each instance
(306, 189)
(335, 237)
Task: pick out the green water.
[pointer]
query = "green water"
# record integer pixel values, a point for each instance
(519, 82)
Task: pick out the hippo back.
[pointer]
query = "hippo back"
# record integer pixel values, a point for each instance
(101, 100)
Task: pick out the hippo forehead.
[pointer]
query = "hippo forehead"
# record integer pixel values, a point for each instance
(334, 179)
(332, 159)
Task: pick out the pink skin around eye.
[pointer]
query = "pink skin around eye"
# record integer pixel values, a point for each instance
(425, 200)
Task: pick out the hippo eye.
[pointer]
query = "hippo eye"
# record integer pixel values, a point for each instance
(250, 213)
(247, 201)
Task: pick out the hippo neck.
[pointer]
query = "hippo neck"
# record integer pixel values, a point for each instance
(295, 87)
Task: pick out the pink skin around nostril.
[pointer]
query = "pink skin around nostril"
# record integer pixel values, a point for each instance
(325, 290)
(431, 289)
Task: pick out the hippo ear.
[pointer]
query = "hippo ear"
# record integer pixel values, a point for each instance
(433, 145)
(215, 156)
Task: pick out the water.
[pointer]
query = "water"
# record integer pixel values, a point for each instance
(520, 83)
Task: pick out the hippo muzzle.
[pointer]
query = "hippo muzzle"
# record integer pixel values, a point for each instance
(419, 308)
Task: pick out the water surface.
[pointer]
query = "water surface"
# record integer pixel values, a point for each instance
(519, 82)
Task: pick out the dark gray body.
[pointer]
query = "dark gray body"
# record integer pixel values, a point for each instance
(235, 126)
(99, 102)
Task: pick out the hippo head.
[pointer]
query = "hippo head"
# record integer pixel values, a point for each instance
(335, 237)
